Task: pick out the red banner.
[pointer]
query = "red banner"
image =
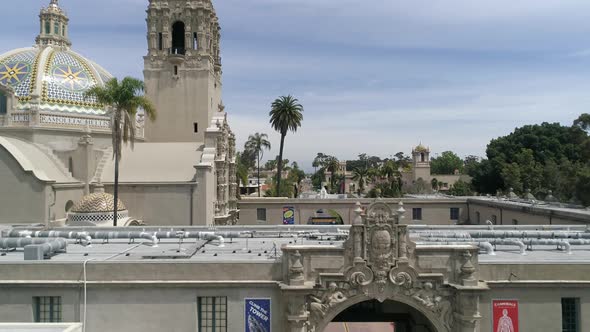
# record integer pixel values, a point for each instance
(505, 315)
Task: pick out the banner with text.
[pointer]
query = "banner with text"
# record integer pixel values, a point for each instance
(258, 315)
(505, 315)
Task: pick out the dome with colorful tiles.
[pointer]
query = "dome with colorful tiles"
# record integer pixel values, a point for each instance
(50, 74)
(59, 77)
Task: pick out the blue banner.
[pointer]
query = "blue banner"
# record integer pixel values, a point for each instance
(288, 215)
(257, 315)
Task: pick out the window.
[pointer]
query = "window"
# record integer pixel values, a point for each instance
(47, 27)
(47, 309)
(56, 28)
(196, 127)
(195, 41)
(212, 314)
(71, 165)
(63, 30)
(178, 46)
(175, 70)
(417, 214)
(570, 315)
(261, 214)
(454, 213)
(3, 103)
(160, 41)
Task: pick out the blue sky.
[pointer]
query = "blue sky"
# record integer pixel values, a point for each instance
(374, 76)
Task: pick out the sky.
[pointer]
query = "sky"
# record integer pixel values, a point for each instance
(374, 76)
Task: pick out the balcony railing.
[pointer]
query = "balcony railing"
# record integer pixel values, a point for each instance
(177, 51)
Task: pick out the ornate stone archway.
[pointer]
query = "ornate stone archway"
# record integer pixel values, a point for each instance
(378, 261)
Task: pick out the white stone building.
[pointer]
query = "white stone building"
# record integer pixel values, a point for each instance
(55, 143)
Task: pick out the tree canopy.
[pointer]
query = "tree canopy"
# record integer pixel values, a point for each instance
(544, 157)
(447, 163)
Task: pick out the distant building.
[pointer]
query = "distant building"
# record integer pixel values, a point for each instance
(420, 174)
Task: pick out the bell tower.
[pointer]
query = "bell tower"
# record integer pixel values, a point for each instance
(182, 70)
(421, 163)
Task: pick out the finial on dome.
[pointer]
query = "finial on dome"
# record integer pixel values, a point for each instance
(54, 26)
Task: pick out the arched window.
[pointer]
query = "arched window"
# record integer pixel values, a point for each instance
(69, 206)
(160, 41)
(422, 157)
(178, 46)
(3, 103)
(195, 41)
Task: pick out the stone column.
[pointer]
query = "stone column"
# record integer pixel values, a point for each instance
(87, 161)
(467, 314)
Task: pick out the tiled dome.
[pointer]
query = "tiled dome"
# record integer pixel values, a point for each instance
(57, 75)
(98, 202)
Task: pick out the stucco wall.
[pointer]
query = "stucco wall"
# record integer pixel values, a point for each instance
(22, 191)
(146, 202)
(138, 309)
(539, 307)
(433, 212)
(507, 214)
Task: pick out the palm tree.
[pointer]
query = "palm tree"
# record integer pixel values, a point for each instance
(241, 170)
(122, 100)
(285, 115)
(332, 164)
(359, 174)
(257, 143)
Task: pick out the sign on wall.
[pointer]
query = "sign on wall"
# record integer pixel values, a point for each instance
(257, 315)
(288, 215)
(505, 315)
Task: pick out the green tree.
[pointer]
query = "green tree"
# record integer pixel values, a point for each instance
(359, 174)
(296, 175)
(447, 163)
(583, 185)
(434, 184)
(332, 165)
(242, 169)
(583, 122)
(122, 100)
(286, 115)
(461, 188)
(258, 143)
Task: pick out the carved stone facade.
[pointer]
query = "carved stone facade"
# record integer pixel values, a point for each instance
(183, 55)
(378, 262)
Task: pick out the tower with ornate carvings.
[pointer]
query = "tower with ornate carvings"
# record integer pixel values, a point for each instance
(182, 70)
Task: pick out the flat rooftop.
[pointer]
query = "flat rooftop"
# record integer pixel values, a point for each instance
(263, 245)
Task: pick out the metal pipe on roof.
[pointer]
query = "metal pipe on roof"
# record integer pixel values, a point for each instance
(48, 246)
(488, 247)
(507, 234)
(509, 242)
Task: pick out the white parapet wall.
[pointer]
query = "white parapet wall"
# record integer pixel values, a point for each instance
(40, 327)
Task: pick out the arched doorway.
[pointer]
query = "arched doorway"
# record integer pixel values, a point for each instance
(178, 46)
(401, 310)
(375, 316)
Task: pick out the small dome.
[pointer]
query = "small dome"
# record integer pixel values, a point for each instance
(58, 76)
(421, 148)
(98, 202)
